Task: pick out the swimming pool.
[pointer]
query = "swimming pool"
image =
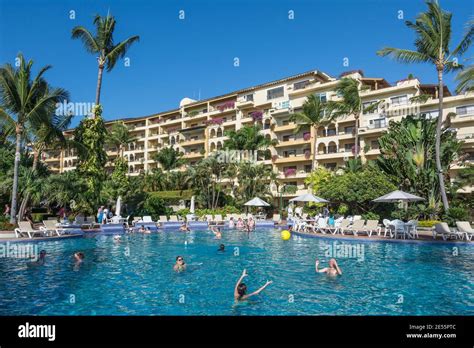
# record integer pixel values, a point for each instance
(135, 277)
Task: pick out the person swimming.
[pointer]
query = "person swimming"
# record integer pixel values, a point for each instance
(41, 260)
(142, 229)
(240, 290)
(217, 232)
(184, 227)
(117, 238)
(231, 222)
(332, 270)
(180, 265)
(79, 257)
(221, 248)
(147, 230)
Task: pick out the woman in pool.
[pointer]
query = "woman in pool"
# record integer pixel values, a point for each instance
(217, 232)
(231, 223)
(180, 265)
(79, 257)
(332, 270)
(240, 291)
(251, 224)
(184, 227)
(240, 224)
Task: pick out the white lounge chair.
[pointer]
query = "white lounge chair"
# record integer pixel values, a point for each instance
(25, 229)
(465, 228)
(218, 219)
(344, 224)
(147, 218)
(372, 226)
(356, 227)
(443, 229)
(49, 226)
(173, 218)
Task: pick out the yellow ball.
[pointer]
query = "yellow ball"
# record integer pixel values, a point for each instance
(285, 235)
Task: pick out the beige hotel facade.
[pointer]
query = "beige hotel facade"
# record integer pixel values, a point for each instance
(197, 128)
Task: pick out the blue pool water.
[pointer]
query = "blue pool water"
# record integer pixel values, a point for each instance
(388, 279)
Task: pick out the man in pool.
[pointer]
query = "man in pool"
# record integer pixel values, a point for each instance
(240, 290)
(184, 227)
(221, 248)
(40, 261)
(79, 257)
(180, 265)
(332, 270)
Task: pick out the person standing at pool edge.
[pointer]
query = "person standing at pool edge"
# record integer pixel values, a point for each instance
(240, 290)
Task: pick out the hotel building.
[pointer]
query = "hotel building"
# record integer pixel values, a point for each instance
(197, 128)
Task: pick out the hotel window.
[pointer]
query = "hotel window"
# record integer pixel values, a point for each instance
(286, 137)
(378, 123)
(322, 97)
(300, 85)
(289, 153)
(400, 100)
(465, 110)
(275, 93)
(431, 114)
(307, 168)
(348, 130)
(348, 147)
(331, 131)
(374, 144)
(330, 165)
(249, 97)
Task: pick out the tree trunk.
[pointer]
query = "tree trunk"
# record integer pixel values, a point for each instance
(15, 175)
(314, 148)
(99, 85)
(24, 202)
(356, 129)
(439, 168)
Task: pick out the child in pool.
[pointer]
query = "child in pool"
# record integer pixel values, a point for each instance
(217, 232)
(180, 265)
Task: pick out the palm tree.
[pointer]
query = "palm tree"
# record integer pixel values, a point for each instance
(350, 104)
(119, 136)
(102, 43)
(313, 115)
(433, 38)
(25, 102)
(247, 138)
(169, 158)
(465, 80)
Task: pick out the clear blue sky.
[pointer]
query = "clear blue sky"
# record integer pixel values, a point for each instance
(177, 58)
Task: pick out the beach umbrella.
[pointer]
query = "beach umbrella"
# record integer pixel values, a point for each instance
(118, 206)
(309, 197)
(257, 202)
(398, 196)
(191, 208)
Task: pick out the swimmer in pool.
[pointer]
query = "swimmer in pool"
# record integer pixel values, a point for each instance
(217, 232)
(221, 248)
(79, 257)
(240, 290)
(180, 265)
(184, 227)
(142, 229)
(117, 238)
(332, 270)
(147, 230)
(41, 260)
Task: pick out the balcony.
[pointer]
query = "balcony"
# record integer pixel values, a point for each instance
(292, 158)
(191, 142)
(292, 142)
(462, 118)
(342, 153)
(193, 155)
(286, 127)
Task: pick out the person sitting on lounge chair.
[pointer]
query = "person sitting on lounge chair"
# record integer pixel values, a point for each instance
(40, 261)
(332, 270)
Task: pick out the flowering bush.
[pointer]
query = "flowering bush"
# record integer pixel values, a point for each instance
(307, 136)
(226, 105)
(290, 171)
(214, 121)
(256, 115)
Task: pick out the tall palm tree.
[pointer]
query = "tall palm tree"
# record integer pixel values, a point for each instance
(119, 136)
(313, 115)
(350, 104)
(102, 43)
(432, 43)
(25, 102)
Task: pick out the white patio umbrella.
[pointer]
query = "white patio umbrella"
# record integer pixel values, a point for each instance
(257, 202)
(118, 206)
(309, 197)
(191, 208)
(397, 196)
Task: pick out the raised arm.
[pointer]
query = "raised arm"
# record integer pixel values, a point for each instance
(244, 274)
(259, 290)
(316, 265)
(337, 268)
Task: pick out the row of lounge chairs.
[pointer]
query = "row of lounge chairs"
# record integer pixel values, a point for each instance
(464, 230)
(48, 229)
(345, 226)
(210, 219)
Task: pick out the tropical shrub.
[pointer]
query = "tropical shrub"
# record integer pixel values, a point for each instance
(371, 216)
(428, 223)
(5, 224)
(455, 214)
